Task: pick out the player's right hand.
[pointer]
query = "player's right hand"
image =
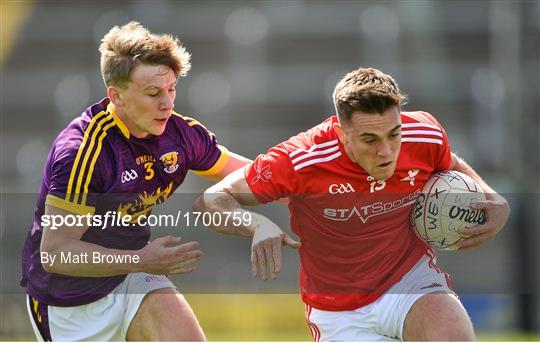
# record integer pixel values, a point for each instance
(266, 250)
(165, 256)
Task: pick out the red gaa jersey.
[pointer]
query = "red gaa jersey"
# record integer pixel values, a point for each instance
(355, 234)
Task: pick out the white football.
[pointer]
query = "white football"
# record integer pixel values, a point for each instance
(444, 207)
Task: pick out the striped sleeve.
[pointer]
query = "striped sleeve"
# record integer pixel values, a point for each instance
(74, 181)
(444, 160)
(426, 130)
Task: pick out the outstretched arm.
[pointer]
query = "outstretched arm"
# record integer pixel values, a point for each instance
(233, 162)
(496, 207)
(228, 196)
(162, 256)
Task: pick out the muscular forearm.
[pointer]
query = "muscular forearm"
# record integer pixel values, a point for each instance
(63, 252)
(223, 202)
(497, 210)
(461, 166)
(78, 258)
(228, 196)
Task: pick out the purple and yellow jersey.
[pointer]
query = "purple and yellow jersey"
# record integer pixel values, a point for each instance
(95, 166)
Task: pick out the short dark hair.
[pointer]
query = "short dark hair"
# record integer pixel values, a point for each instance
(367, 90)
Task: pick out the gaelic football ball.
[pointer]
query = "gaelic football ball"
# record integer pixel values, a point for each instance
(444, 207)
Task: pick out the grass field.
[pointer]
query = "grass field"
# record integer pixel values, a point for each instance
(251, 317)
(265, 317)
(275, 317)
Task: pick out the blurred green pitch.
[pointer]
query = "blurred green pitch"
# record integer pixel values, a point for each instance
(274, 317)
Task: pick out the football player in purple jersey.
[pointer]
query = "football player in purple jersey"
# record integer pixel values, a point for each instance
(124, 154)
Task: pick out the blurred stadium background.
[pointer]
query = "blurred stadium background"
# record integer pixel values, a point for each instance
(265, 70)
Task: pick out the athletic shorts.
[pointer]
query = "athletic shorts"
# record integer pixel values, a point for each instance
(382, 320)
(106, 319)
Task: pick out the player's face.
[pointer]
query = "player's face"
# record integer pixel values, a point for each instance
(147, 103)
(373, 141)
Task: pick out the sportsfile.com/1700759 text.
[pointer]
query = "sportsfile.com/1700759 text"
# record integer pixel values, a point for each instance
(113, 219)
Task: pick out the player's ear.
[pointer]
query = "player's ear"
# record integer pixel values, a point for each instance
(115, 95)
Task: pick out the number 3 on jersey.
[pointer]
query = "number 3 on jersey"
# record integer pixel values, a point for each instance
(149, 170)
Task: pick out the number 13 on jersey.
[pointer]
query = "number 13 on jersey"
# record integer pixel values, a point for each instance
(376, 185)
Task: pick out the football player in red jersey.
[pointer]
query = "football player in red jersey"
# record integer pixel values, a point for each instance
(351, 182)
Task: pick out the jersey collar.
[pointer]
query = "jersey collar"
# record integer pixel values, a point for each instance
(123, 128)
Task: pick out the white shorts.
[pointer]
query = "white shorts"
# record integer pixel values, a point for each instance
(383, 319)
(106, 319)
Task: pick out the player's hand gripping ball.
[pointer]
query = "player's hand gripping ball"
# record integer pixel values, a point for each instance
(444, 207)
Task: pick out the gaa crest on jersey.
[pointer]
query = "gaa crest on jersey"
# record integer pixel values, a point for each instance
(129, 175)
(340, 188)
(170, 161)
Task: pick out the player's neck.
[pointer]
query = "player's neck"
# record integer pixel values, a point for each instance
(349, 154)
(127, 126)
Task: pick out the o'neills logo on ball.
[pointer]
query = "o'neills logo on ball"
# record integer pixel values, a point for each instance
(467, 215)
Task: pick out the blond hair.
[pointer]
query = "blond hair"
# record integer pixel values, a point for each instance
(124, 47)
(367, 90)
